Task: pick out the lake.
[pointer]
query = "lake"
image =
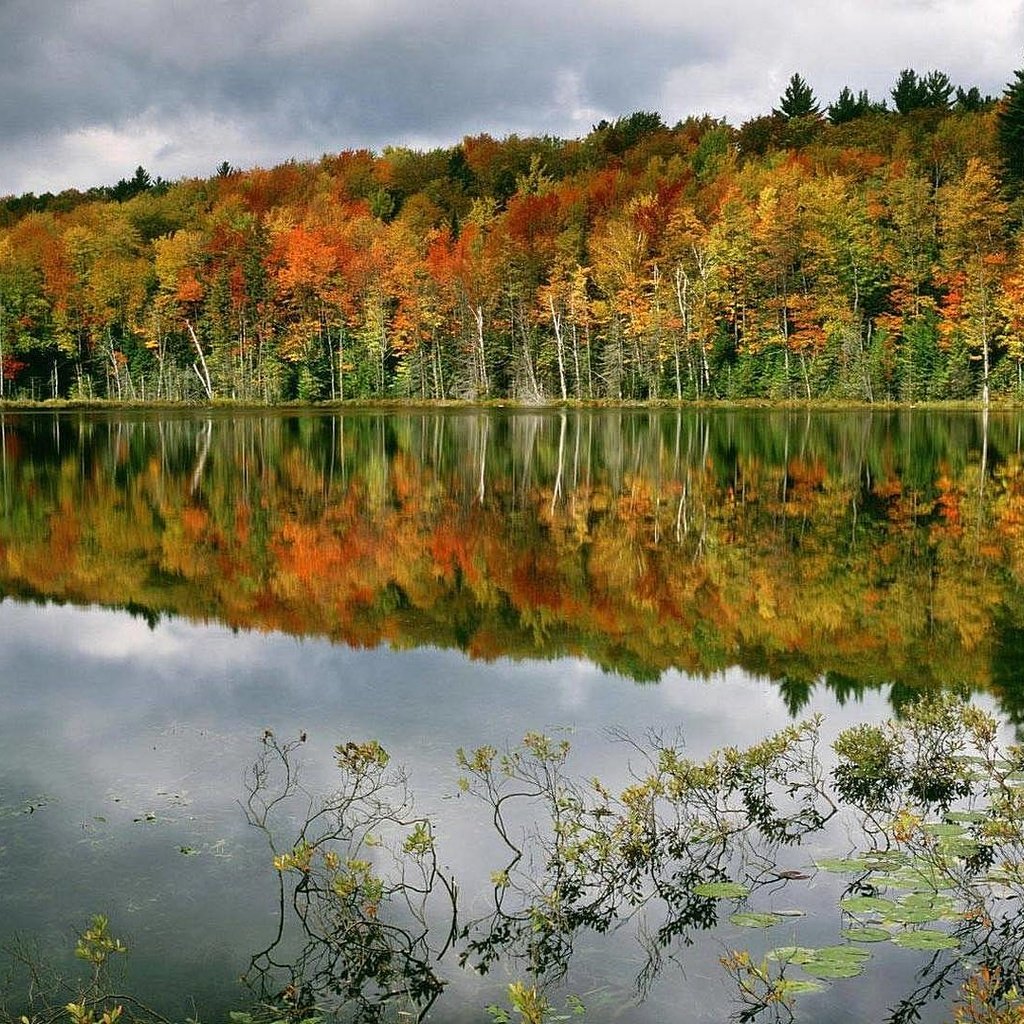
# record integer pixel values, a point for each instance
(195, 605)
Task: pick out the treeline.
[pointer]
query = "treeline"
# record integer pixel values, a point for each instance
(858, 253)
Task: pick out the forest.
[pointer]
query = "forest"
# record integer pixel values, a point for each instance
(858, 251)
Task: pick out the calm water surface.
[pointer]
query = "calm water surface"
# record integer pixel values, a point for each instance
(175, 585)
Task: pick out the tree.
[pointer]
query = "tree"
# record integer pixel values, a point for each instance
(1010, 124)
(970, 100)
(848, 107)
(939, 89)
(798, 100)
(910, 92)
(972, 218)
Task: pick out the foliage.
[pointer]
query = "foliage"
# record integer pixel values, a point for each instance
(1010, 123)
(642, 262)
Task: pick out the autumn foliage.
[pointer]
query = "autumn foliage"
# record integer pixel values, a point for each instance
(873, 259)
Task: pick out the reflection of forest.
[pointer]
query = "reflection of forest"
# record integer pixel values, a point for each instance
(859, 548)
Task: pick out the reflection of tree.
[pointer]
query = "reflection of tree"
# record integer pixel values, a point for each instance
(941, 807)
(356, 884)
(862, 551)
(931, 805)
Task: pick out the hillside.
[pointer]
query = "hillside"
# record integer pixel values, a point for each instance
(869, 255)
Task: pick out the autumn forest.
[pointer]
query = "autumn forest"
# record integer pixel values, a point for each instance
(856, 250)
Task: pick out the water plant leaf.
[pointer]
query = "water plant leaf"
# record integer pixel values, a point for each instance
(842, 953)
(842, 866)
(912, 915)
(967, 817)
(834, 968)
(944, 829)
(794, 986)
(792, 954)
(836, 962)
(926, 938)
(867, 904)
(721, 890)
(866, 934)
(754, 919)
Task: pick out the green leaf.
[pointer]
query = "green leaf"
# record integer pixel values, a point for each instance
(752, 919)
(867, 904)
(834, 968)
(842, 953)
(794, 986)
(792, 954)
(926, 938)
(852, 865)
(866, 934)
(721, 890)
(912, 915)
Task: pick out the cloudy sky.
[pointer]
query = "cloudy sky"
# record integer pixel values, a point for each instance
(91, 88)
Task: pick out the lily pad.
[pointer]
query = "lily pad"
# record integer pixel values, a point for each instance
(792, 954)
(926, 938)
(912, 915)
(928, 901)
(721, 890)
(966, 817)
(867, 904)
(944, 829)
(834, 968)
(842, 953)
(837, 962)
(794, 986)
(752, 919)
(866, 934)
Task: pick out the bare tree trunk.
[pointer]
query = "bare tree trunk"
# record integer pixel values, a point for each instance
(204, 377)
(556, 321)
(478, 317)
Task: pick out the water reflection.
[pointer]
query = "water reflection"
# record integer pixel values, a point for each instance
(853, 550)
(931, 807)
(445, 580)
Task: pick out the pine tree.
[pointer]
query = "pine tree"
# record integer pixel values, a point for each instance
(847, 106)
(1011, 131)
(939, 89)
(798, 100)
(910, 92)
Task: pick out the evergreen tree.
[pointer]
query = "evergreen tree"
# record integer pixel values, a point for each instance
(910, 92)
(1011, 130)
(939, 89)
(969, 101)
(798, 100)
(848, 107)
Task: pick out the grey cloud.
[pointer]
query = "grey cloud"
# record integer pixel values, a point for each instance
(187, 79)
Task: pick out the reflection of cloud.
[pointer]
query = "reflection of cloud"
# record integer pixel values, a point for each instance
(116, 720)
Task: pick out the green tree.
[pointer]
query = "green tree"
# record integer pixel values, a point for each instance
(939, 89)
(848, 107)
(910, 92)
(969, 100)
(1011, 130)
(798, 100)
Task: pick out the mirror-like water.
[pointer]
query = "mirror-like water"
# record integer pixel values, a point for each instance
(177, 585)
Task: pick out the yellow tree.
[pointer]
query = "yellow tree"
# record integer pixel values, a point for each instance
(972, 217)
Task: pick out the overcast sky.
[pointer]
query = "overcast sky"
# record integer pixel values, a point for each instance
(89, 89)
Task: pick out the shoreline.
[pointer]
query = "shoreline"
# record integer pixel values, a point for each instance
(514, 405)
